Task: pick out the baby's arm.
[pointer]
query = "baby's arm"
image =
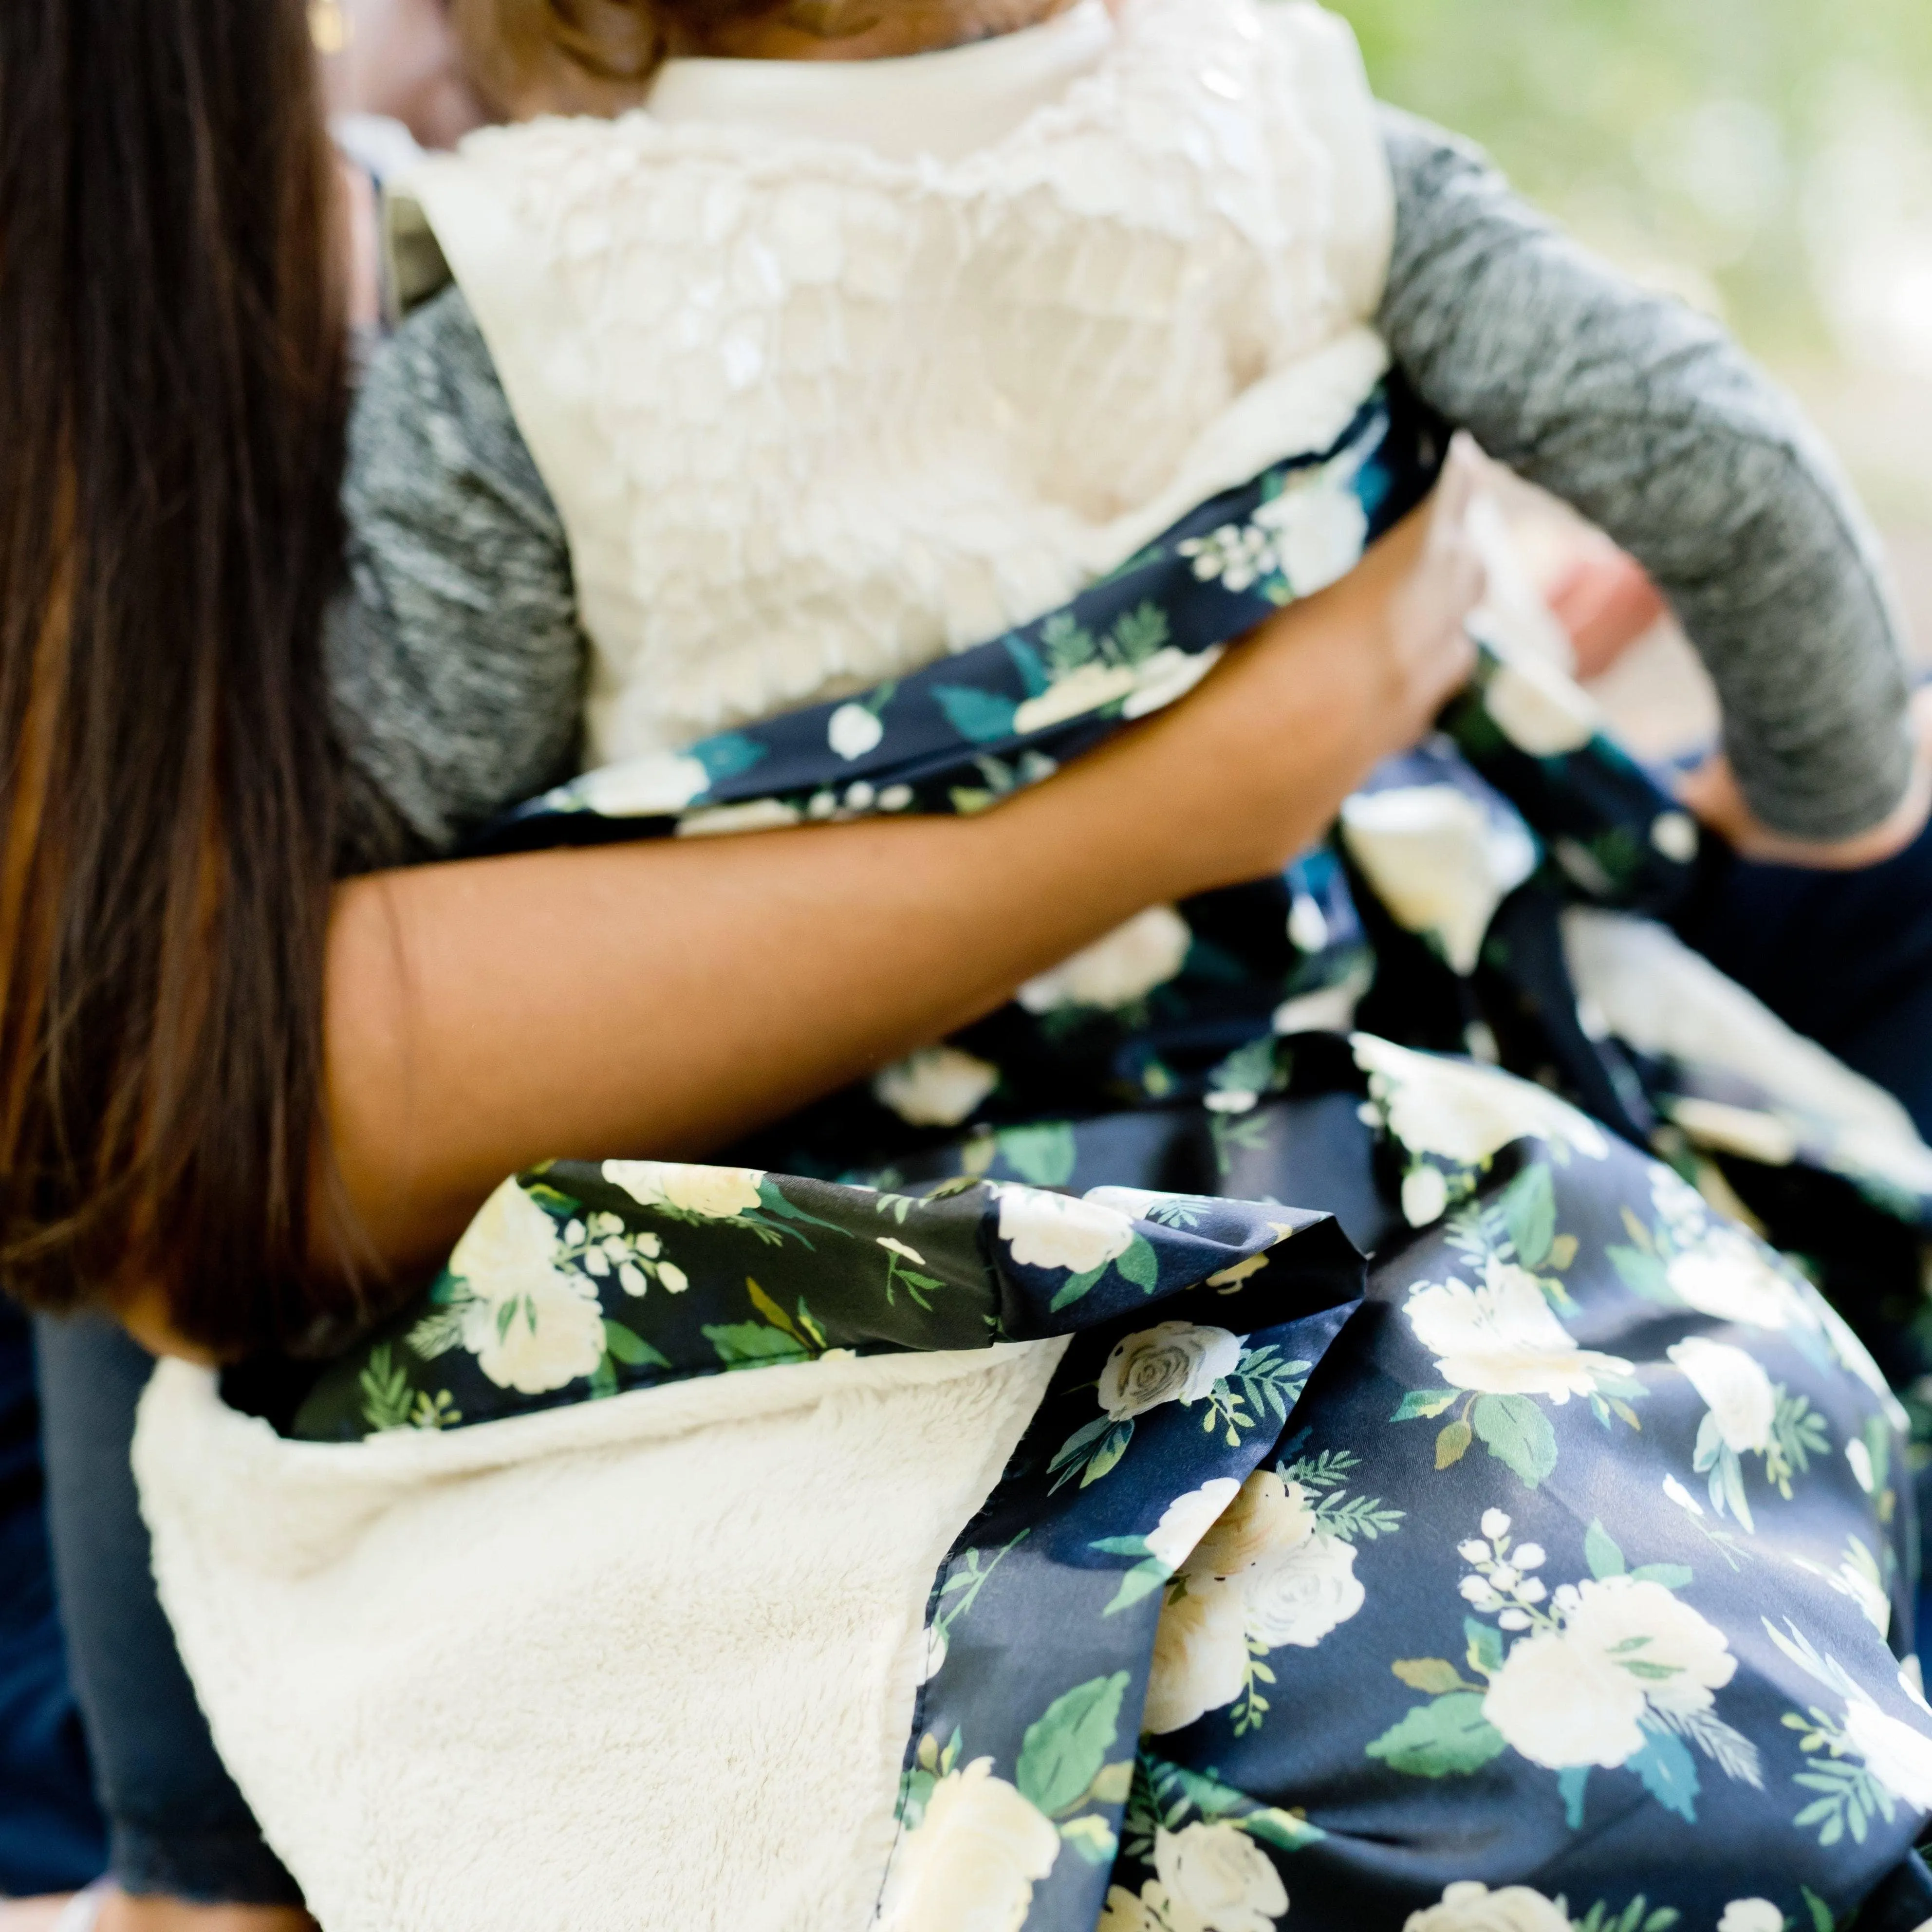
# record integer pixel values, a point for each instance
(1653, 423)
(456, 660)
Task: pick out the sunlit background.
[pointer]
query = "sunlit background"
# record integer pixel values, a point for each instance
(1770, 161)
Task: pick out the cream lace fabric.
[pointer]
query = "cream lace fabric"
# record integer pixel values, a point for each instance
(815, 415)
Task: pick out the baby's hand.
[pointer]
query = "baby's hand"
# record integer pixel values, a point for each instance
(1711, 792)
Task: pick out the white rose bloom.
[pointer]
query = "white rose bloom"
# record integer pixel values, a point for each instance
(972, 1862)
(1463, 1112)
(1173, 1361)
(1167, 675)
(1219, 1878)
(1268, 1519)
(715, 1193)
(1624, 1620)
(654, 783)
(552, 1331)
(1752, 1915)
(1086, 689)
(554, 1335)
(1735, 1388)
(1425, 1196)
(1467, 1906)
(1200, 1656)
(1124, 1913)
(1188, 1518)
(1563, 1704)
(1439, 861)
(1897, 1754)
(1729, 1278)
(1058, 1230)
(1301, 1594)
(1539, 709)
(1321, 530)
(936, 1087)
(1114, 971)
(852, 731)
(1503, 1338)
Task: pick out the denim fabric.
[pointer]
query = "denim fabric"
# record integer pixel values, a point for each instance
(179, 1826)
(53, 1837)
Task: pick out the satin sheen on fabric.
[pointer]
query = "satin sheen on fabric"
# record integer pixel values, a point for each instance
(1097, 1543)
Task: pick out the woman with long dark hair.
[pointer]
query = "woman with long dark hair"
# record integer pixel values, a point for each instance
(181, 1130)
(245, 1108)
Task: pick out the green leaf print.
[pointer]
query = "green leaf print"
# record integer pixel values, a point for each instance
(728, 755)
(1141, 1265)
(1042, 1155)
(1142, 1580)
(1486, 1646)
(1642, 1274)
(1529, 1211)
(1672, 1575)
(1517, 1433)
(1141, 633)
(979, 717)
(1436, 1675)
(1422, 1403)
(1669, 1772)
(752, 1345)
(1026, 661)
(387, 1397)
(1109, 1452)
(1066, 1748)
(1601, 1553)
(1452, 1443)
(630, 1349)
(1446, 1738)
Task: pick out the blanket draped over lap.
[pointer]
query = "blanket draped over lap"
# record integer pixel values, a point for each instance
(1101, 1542)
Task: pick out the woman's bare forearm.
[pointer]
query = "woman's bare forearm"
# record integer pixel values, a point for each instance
(663, 997)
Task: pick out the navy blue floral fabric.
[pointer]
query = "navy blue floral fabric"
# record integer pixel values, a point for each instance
(1552, 1570)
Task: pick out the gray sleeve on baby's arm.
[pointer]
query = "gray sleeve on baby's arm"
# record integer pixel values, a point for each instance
(1651, 421)
(456, 661)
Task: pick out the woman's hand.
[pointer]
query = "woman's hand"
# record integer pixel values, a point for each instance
(1711, 793)
(1250, 769)
(665, 997)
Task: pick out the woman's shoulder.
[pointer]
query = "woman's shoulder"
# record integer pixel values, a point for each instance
(431, 397)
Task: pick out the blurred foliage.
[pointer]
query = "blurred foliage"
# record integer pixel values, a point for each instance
(1734, 149)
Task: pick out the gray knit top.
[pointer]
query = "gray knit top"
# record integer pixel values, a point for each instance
(457, 662)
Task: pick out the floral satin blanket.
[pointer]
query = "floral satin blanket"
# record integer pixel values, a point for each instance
(1552, 1569)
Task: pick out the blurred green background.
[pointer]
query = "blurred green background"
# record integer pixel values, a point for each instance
(1770, 160)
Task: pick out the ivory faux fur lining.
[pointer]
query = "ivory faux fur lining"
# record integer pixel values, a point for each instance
(647, 1664)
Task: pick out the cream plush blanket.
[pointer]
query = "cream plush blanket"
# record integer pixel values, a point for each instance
(644, 1665)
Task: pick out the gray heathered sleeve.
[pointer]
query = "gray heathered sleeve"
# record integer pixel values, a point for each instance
(1650, 420)
(456, 661)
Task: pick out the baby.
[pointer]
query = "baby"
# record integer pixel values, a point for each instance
(842, 354)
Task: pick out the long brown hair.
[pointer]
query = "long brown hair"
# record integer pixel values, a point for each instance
(171, 413)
